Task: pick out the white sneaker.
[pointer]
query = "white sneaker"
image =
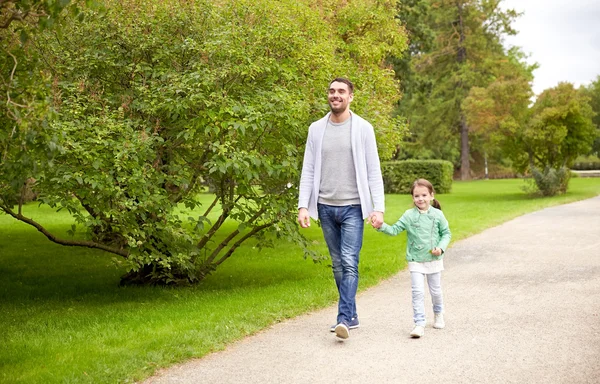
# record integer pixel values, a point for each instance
(438, 321)
(341, 331)
(418, 331)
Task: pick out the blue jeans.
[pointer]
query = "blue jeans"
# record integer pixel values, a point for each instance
(343, 231)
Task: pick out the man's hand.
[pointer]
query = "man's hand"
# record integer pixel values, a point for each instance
(303, 218)
(376, 219)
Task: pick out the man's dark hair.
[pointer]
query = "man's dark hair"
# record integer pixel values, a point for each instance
(345, 81)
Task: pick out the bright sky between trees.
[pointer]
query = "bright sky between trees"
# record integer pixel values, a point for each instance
(562, 36)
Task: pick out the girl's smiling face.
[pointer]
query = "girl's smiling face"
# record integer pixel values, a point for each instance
(422, 198)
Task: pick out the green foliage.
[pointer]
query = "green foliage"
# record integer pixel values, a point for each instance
(42, 12)
(550, 181)
(398, 176)
(124, 120)
(466, 52)
(584, 163)
(496, 114)
(364, 37)
(413, 14)
(560, 128)
(593, 92)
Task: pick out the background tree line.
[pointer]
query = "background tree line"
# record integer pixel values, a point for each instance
(467, 97)
(125, 112)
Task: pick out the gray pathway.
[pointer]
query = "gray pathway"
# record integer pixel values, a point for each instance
(522, 306)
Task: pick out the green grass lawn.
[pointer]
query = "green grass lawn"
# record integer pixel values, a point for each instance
(64, 318)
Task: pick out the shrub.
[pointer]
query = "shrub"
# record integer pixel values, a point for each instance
(148, 103)
(550, 181)
(586, 165)
(398, 176)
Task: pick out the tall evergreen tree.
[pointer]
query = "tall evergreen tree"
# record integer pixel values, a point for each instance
(466, 52)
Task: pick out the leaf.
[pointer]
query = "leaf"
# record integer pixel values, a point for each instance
(23, 37)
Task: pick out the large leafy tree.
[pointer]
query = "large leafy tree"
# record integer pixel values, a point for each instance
(466, 52)
(593, 92)
(497, 113)
(145, 105)
(559, 129)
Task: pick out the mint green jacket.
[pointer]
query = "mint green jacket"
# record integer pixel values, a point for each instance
(425, 231)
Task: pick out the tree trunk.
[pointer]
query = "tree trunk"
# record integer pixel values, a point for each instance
(465, 164)
(461, 57)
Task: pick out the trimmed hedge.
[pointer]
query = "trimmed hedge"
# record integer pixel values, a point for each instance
(586, 165)
(398, 176)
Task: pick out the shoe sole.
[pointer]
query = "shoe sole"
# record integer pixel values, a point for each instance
(439, 327)
(416, 335)
(342, 332)
(332, 329)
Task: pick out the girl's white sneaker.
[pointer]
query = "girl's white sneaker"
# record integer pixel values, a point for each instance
(418, 331)
(438, 321)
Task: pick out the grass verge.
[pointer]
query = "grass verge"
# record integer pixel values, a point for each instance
(64, 319)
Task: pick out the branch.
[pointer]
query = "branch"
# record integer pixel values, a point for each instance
(12, 134)
(220, 247)
(232, 235)
(54, 239)
(213, 229)
(92, 212)
(240, 241)
(218, 223)
(12, 75)
(215, 201)
(15, 16)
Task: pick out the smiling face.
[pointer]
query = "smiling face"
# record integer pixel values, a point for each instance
(339, 97)
(422, 197)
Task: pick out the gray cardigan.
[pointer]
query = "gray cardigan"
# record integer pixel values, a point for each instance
(366, 160)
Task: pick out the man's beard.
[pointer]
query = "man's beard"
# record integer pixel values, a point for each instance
(337, 110)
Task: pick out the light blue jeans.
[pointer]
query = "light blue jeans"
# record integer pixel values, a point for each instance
(343, 231)
(434, 281)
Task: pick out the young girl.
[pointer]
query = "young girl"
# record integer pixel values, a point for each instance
(428, 236)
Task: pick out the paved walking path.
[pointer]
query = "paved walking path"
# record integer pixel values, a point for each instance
(522, 306)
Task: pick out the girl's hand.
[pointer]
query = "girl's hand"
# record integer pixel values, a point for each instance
(436, 251)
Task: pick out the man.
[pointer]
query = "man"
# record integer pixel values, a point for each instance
(341, 185)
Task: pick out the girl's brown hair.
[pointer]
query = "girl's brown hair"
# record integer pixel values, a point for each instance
(429, 186)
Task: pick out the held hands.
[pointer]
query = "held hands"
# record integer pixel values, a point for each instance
(303, 218)
(376, 219)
